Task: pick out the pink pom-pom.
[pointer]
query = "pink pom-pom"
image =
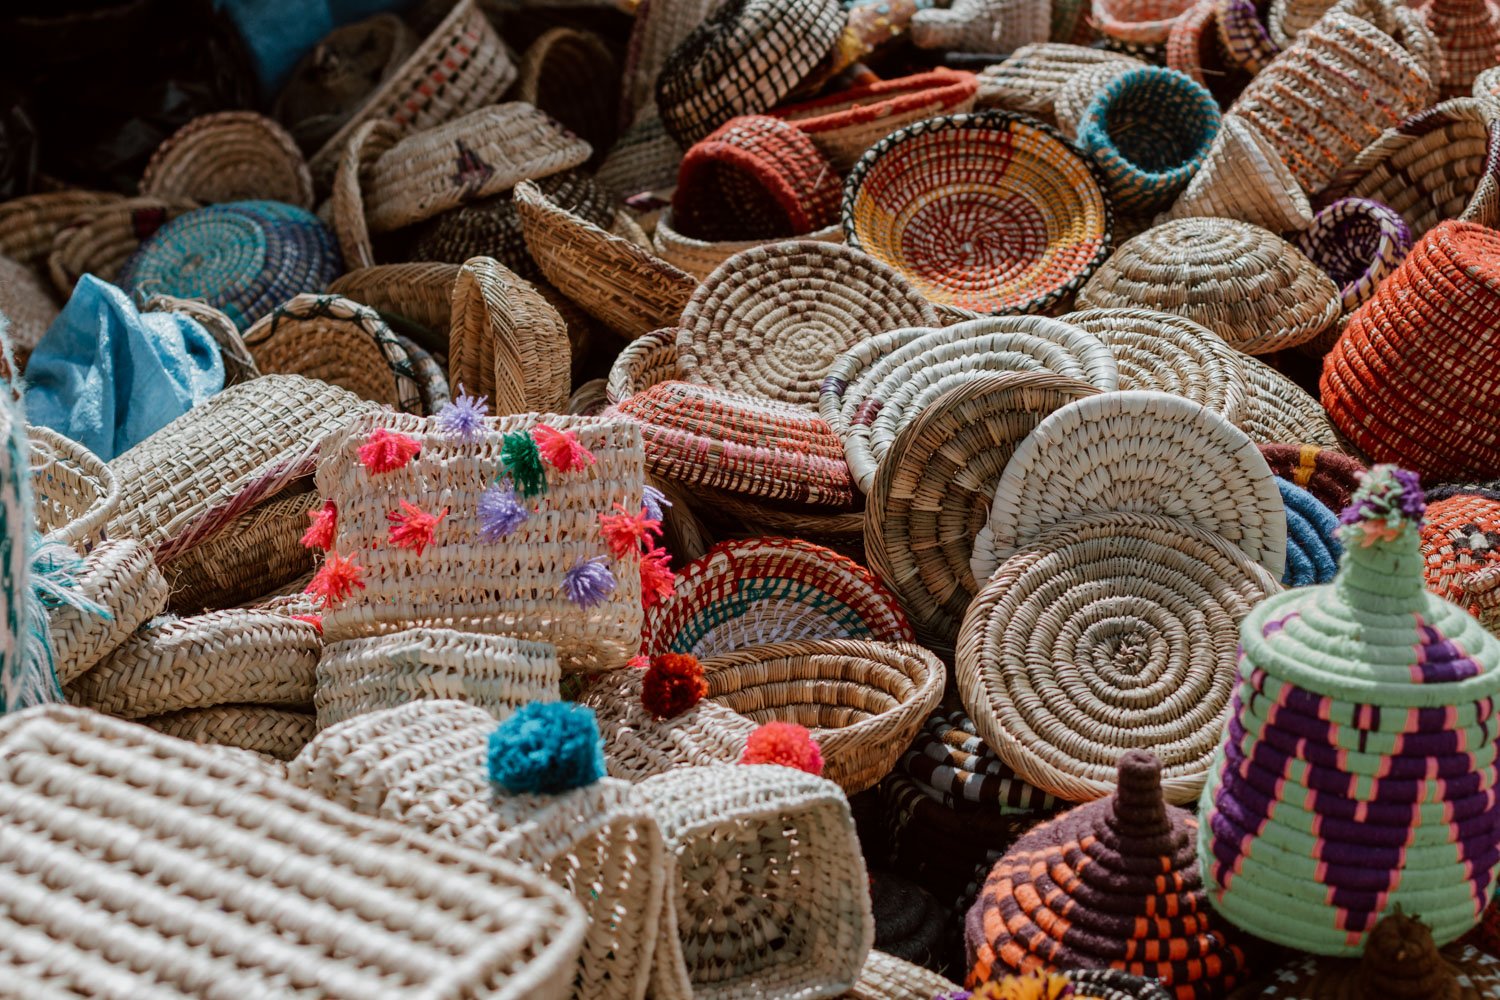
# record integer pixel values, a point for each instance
(626, 533)
(561, 449)
(639, 662)
(784, 743)
(413, 528)
(657, 578)
(336, 580)
(386, 451)
(319, 534)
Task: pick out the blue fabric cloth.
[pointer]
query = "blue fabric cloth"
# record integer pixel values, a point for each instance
(279, 32)
(108, 376)
(1312, 539)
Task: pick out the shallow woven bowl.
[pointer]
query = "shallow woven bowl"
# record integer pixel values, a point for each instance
(990, 212)
(229, 156)
(1147, 22)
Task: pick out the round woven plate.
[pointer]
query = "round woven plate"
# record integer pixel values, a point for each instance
(229, 156)
(989, 211)
(872, 391)
(1244, 283)
(275, 732)
(1136, 451)
(1278, 409)
(760, 590)
(936, 485)
(697, 435)
(1167, 353)
(1113, 632)
(770, 321)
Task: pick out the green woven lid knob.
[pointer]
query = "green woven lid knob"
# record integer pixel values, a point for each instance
(1382, 535)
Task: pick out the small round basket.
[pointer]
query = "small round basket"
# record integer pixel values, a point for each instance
(74, 490)
(343, 343)
(243, 258)
(1243, 177)
(755, 177)
(99, 240)
(770, 321)
(1357, 242)
(1111, 632)
(1018, 223)
(763, 590)
(276, 732)
(1143, 22)
(1244, 283)
(1148, 131)
(642, 363)
(572, 76)
(229, 156)
(496, 672)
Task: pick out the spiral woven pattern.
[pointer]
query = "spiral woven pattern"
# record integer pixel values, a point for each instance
(1136, 451)
(1246, 284)
(1414, 376)
(1281, 410)
(1110, 633)
(990, 212)
(243, 258)
(642, 363)
(934, 488)
(771, 321)
(98, 241)
(229, 156)
(1166, 353)
(761, 590)
(1460, 537)
(1357, 242)
(1243, 177)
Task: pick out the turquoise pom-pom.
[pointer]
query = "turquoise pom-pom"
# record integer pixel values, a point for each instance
(547, 747)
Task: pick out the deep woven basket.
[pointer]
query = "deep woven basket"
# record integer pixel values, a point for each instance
(762, 590)
(1243, 34)
(700, 258)
(1193, 47)
(923, 200)
(572, 76)
(74, 492)
(334, 78)
(1468, 36)
(229, 156)
(506, 342)
(243, 258)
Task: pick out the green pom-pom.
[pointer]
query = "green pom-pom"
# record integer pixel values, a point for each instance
(523, 461)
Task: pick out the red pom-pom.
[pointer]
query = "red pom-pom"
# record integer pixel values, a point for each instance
(413, 528)
(639, 662)
(784, 743)
(625, 533)
(561, 449)
(319, 534)
(673, 684)
(336, 579)
(657, 578)
(386, 451)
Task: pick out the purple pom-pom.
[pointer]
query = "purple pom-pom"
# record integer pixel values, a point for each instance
(500, 512)
(654, 502)
(589, 583)
(1388, 500)
(463, 418)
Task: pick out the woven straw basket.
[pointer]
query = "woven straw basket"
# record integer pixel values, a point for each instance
(251, 556)
(229, 156)
(419, 293)
(1030, 78)
(642, 363)
(29, 307)
(981, 25)
(700, 258)
(100, 239)
(1243, 177)
(1143, 22)
(276, 733)
(506, 342)
(515, 584)
(120, 577)
(359, 907)
(1278, 409)
(886, 977)
(571, 75)
(75, 493)
(29, 224)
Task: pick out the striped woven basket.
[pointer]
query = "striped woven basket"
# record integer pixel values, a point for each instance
(1193, 47)
(700, 258)
(1030, 78)
(229, 156)
(1357, 242)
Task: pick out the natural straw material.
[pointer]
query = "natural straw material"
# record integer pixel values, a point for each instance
(949, 239)
(1281, 410)
(1468, 36)
(419, 292)
(769, 322)
(1145, 22)
(220, 658)
(358, 908)
(229, 156)
(572, 76)
(75, 493)
(120, 577)
(1108, 633)
(1243, 35)
(1243, 177)
(495, 672)
(331, 81)
(506, 342)
(613, 279)
(763, 590)
(254, 553)
(700, 258)
(339, 341)
(1246, 284)
(1193, 47)
(30, 223)
(276, 732)
(1030, 78)
(1136, 451)
(28, 306)
(886, 977)
(935, 486)
(643, 363)
(346, 204)
(99, 240)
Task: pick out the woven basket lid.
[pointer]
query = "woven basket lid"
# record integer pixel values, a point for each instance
(1030, 78)
(1357, 242)
(639, 744)
(699, 435)
(760, 590)
(1167, 353)
(1112, 883)
(339, 341)
(1312, 544)
(229, 156)
(276, 732)
(1147, 22)
(1329, 475)
(1136, 451)
(743, 58)
(222, 457)
(949, 240)
(356, 905)
(99, 240)
(219, 658)
(1411, 378)
(934, 487)
(1246, 284)
(1400, 962)
(951, 762)
(242, 257)
(26, 304)
(1110, 632)
(477, 155)
(1374, 697)
(496, 672)
(1468, 35)
(770, 321)
(981, 25)
(1461, 537)
(873, 390)
(1281, 410)
(121, 578)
